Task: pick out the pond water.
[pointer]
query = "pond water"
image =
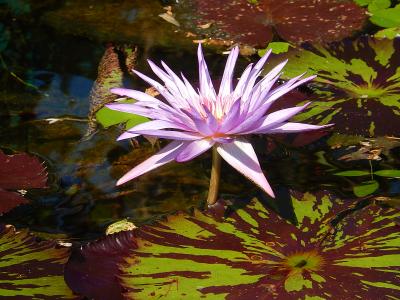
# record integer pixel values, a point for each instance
(50, 53)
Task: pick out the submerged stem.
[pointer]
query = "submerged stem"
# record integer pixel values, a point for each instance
(215, 176)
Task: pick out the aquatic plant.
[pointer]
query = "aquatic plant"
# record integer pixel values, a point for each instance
(198, 121)
(236, 251)
(357, 83)
(19, 172)
(293, 21)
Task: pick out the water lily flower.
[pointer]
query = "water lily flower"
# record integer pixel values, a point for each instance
(197, 120)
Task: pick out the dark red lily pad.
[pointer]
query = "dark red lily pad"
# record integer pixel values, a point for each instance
(295, 21)
(357, 87)
(250, 252)
(19, 172)
(93, 270)
(30, 269)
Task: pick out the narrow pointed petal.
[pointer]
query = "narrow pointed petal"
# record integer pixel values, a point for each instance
(194, 149)
(276, 118)
(226, 83)
(296, 127)
(242, 81)
(164, 156)
(206, 86)
(241, 156)
(134, 94)
(285, 89)
(132, 109)
(157, 124)
(168, 134)
(127, 135)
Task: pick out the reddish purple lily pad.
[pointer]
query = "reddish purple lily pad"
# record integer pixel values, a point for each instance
(248, 252)
(19, 172)
(357, 87)
(295, 21)
(30, 269)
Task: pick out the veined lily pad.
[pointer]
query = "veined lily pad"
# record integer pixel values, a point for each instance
(295, 21)
(19, 172)
(358, 85)
(31, 269)
(248, 252)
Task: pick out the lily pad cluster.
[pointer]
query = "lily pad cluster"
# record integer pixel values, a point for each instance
(243, 250)
(358, 83)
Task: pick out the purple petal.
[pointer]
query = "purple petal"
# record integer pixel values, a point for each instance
(242, 81)
(296, 127)
(194, 149)
(206, 86)
(284, 89)
(137, 95)
(276, 118)
(225, 88)
(241, 156)
(132, 109)
(151, 125)
(167, 134)
(127, 135)
(165, 155)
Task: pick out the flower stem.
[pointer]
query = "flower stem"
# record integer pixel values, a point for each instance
(215, 176)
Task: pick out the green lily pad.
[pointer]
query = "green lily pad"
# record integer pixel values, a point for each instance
(358, 84)
(248, 252)
(31, 269)
(108, 117)
(388, 173)
(366, 188)
(277, 47)
(389, 33)
(381, 12)
(352, 173)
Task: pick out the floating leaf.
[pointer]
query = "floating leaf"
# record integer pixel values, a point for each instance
(277, 47)
(352, 173)
(108, 117)
(31, 269)
(295, 21)
(359, 84)
(366, 188)
(92, 270)
(389, 33)
(19, 172)
(388, 173)
(381, 13)
(248, 252)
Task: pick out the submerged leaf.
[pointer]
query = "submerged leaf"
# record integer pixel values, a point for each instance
(359, 84)
(366, 188)
(248, 252)
(19, 172)
(31, 269)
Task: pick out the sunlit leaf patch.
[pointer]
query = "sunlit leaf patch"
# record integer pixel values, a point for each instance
(358, 84)
(30, 269)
